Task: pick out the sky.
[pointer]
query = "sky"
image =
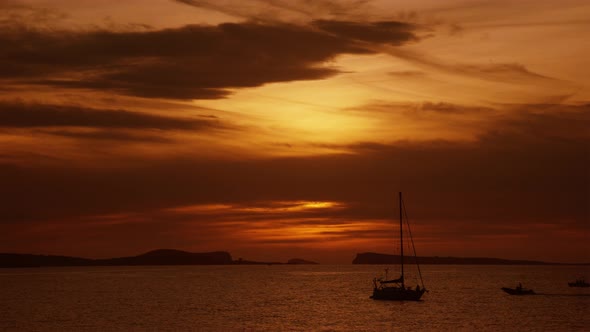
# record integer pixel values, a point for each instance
(277, 129)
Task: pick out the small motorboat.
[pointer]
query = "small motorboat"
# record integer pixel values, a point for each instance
(518, 290)
(579, 283)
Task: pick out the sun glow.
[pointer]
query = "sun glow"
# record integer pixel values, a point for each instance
(260, 208)
(318, 205)
(316, 232)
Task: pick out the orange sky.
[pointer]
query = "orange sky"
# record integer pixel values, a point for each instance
(279, 129)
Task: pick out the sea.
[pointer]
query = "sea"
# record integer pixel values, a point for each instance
(288, 298)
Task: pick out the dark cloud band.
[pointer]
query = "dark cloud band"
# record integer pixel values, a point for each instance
(191, 62)
(15, 114)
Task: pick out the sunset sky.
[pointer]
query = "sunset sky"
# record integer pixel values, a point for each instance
(276, 129)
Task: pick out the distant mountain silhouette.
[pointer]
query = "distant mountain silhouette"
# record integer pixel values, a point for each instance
(28, 260)
(171, 257)
(155, 257)
(299, 261)
(247, 262)
(376, 258)
(179, 257)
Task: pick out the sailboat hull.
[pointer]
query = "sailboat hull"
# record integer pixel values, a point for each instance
(396, 294)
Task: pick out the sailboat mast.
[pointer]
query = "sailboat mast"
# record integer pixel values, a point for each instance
(401, 237)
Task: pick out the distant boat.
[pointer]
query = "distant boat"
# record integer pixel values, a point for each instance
(395, 289)
(518, 290)
(579, 283)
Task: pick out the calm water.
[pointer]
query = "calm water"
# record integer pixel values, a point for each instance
(287, 298)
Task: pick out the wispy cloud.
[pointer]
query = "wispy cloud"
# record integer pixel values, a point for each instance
(498, 72)
(385, 32)
(275, 10)
(114, 135)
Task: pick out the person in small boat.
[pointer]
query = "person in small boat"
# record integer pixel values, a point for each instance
(519, 287)
(417, 288)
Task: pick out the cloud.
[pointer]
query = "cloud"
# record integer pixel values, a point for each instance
(15, 13)
(385, 32)
(275, 10)
(448, 108)
(15, 114)
(508, 72)
(423, 107)
(234, 9)
(503, 71)
(523, 180)
(110, 135)
(510, 174)
(189, 62)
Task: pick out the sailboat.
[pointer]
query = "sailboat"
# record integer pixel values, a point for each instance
(395, 289)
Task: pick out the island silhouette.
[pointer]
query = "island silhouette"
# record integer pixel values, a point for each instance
(179, 257)
(154, 257)
(377, 258)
